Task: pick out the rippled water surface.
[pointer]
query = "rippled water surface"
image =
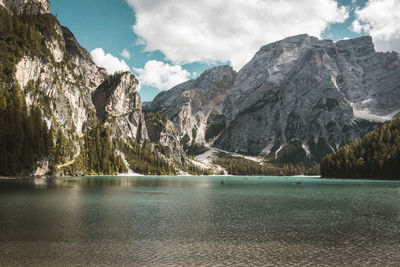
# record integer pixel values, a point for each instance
(199, 221)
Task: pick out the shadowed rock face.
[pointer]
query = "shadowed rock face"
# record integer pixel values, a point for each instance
(302, 91)
(118, 103)
(117, 96)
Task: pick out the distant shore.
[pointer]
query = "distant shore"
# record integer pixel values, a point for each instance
(7, 178)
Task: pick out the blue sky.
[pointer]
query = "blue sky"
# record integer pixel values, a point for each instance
(108, 24)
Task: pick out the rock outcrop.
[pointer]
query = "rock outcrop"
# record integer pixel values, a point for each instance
(26, 7)
(117, 102)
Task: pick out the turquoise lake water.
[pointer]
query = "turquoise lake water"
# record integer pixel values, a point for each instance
(158, 221)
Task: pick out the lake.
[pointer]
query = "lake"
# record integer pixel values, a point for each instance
(147, 221)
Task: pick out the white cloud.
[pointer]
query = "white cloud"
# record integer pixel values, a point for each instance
(125, 53)
(109, 62)
(161, 75)
(381, 20)
(189, 31)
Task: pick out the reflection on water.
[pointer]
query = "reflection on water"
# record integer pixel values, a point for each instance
(199, 221)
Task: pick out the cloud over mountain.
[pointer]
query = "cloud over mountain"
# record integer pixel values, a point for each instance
(161, 75)
(109, 62)
(232, 31)
(381, 20)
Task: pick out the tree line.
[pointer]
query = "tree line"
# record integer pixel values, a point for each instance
(24, 136)
(377, 156)
(243, 166)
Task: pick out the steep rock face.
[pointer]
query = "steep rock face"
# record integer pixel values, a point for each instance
(118, 102)
(190, 105)
(321, 93)
(300, 96)
(27, 7)
(166, 136)
(91, 75)
(64, 85)
(86, 110)
(59, 89)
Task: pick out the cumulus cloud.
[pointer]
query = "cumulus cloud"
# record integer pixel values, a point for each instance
(232, 31)
(381, 20)
(125, 53)
(109, 62)
(161, 75)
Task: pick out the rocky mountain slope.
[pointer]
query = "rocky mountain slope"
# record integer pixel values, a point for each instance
(195, 104)
(76, 98)
(296, 100)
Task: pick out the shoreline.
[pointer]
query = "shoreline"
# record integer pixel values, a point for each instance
(43, 179)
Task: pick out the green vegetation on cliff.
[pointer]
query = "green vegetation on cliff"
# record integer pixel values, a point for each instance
(215, 126)
(156, 118)
(23, 35)
(376, 156)
(97, 157)
(99, 152)
(142, 159)
(24, 137)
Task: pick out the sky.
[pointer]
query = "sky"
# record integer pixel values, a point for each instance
(165, 43)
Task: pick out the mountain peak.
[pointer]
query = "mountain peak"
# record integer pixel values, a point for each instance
(291, 41)
(216, 72)
(361, 46)
(26, 7)
(297, 38)
(363, 40)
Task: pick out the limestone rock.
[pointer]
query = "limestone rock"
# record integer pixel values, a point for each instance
(118, 102)
(190, 105)
(26, 7)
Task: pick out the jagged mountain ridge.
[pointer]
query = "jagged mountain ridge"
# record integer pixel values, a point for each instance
(300, 95)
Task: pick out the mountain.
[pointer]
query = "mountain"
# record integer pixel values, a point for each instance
(194, 105)
(376, 156)
(67, 114)
(297, 99)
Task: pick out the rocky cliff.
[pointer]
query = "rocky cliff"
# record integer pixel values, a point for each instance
(26, 7)
(61, 80)
(118, 104)
(78, 100)
(192, 106)
(297, 99)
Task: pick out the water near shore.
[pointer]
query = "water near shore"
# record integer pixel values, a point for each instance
(199, 221)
